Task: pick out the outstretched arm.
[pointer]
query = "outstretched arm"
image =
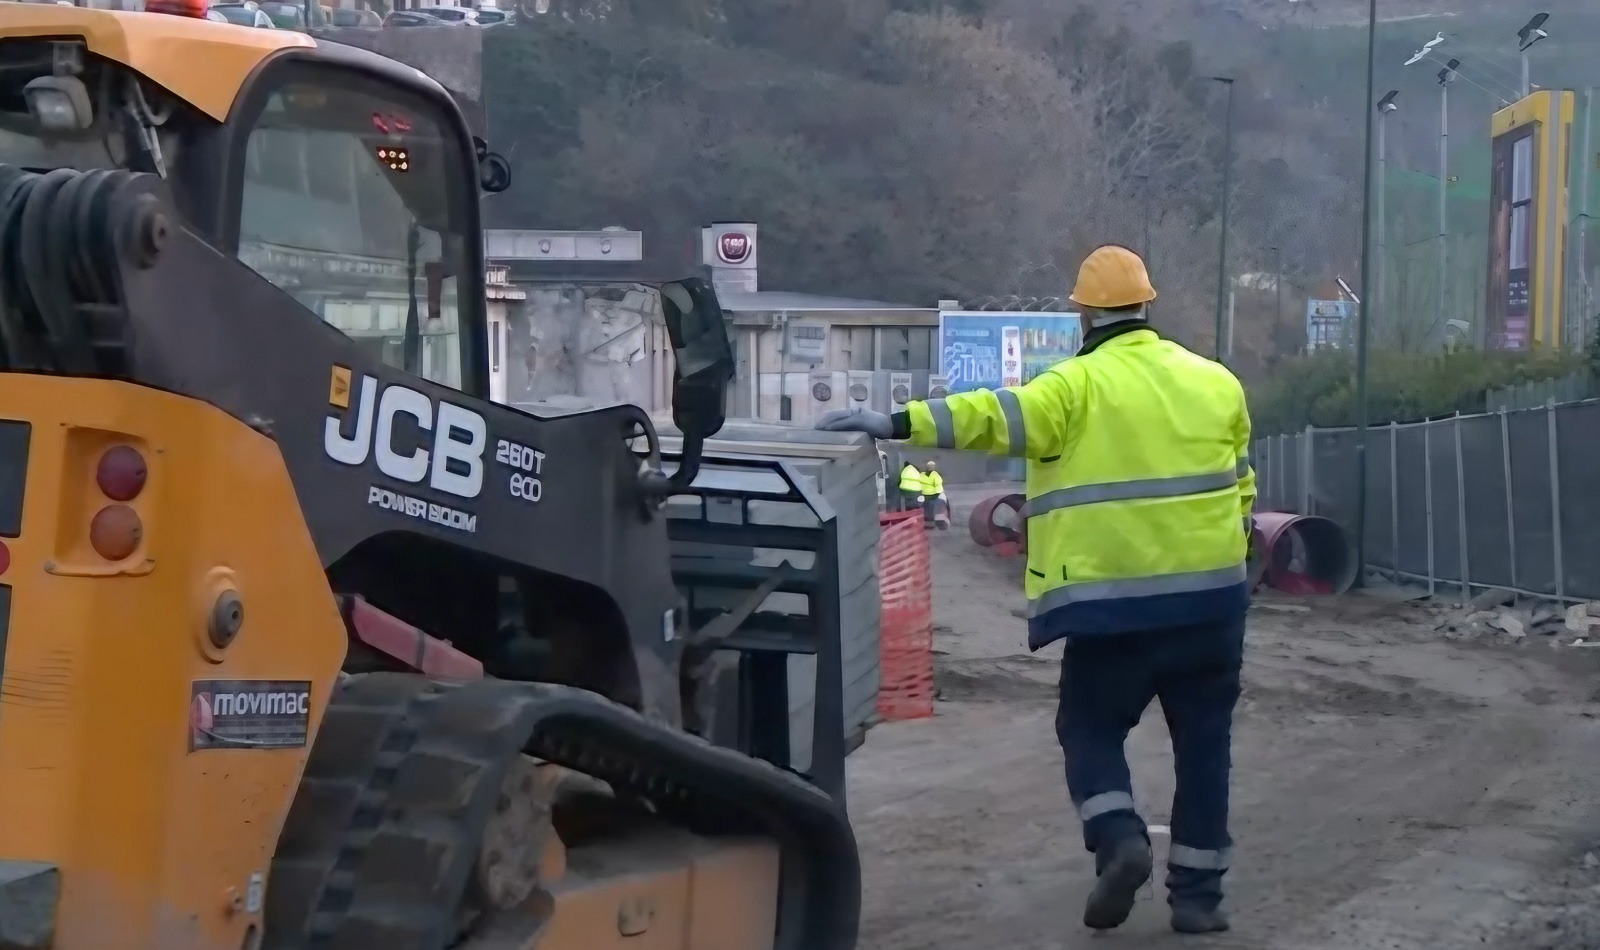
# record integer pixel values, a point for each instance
(1019, 421)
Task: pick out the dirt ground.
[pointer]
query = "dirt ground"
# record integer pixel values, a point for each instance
(1391, 789)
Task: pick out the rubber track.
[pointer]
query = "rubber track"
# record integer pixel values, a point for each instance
(400, 783)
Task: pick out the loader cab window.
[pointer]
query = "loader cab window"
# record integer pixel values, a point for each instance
(356, 201)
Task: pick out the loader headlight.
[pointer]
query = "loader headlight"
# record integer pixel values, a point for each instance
(59, 103)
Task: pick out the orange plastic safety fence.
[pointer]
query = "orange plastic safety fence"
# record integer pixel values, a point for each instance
(905, 645)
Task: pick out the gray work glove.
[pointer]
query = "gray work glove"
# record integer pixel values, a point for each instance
(857, 419)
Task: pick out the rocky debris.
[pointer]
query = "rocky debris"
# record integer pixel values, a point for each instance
(1509, 624)
(1494, 615)
(1493, 597)
(1582, 618)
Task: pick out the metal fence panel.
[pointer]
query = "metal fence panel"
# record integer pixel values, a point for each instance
(1578, 461)
(1484, 483)
(1294, 478)
(1334, 460)
(1380, 533)
(1410, 470)
(1530, 500)
(1261, 461)
(1442, 479)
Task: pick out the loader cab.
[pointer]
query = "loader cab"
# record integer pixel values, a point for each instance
(348, 180)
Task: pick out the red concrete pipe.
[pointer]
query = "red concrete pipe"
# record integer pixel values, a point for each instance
(998, 520)
(1305, 554)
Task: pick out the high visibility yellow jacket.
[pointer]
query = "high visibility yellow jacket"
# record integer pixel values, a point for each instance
(932, 484)
(911, 479)
(1138, 476)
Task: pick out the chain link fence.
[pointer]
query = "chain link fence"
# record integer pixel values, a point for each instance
(1501, 499)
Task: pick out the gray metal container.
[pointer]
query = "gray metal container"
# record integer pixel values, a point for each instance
(845, 469)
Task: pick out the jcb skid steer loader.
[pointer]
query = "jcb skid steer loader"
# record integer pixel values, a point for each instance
(304, 643)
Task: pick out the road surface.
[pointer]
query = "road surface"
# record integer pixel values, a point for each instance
(1392, 789)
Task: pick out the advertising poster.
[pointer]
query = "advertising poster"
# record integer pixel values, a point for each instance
(987, 350)
(899, 390)
(859, 387)
(822, 391)
(1329, 323)
(808, 341)
(938, 386)
(1513, 179)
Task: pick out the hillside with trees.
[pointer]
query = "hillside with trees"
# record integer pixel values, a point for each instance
(912, 150)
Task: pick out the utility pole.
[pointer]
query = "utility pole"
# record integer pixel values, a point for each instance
(1365, 303)
(1442, 263)
(1227, 187)
(1277, 286)
(1385, 106)
(1585, 297)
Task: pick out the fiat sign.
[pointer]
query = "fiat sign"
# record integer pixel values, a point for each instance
(733, 247)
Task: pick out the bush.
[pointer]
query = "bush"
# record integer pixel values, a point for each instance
(1319, 389)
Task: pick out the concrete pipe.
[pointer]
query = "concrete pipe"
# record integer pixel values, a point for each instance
(997, 521)
(1305, 554)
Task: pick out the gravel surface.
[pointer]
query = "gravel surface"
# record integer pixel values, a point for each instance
(1393, 788)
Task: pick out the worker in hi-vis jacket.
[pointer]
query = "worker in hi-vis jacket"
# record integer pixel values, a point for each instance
(1139, 492)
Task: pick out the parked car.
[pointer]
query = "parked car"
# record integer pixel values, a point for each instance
(289, 15)
(244, 14)
(449, 14)
(357, 19)
(409, 18)
(491, 16)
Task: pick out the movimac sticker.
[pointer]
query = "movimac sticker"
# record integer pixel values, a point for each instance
(249, 714)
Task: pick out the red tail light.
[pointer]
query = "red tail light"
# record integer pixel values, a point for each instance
(121, 473)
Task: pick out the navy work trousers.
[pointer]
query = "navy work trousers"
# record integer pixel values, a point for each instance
(1106, 683)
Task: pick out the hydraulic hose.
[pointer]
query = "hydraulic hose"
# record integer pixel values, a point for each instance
(62, 234)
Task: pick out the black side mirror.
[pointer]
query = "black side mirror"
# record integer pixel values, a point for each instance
(494, 172)
(702, 367)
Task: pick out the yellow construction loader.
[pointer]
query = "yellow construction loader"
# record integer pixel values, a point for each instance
(305, 643)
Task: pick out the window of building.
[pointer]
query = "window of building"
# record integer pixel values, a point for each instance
(355, 202)
(906, 348)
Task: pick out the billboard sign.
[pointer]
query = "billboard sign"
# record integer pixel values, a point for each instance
(808, 341)
(1328, 323)
(991, 349)
(1512, 213)
(1529, 144)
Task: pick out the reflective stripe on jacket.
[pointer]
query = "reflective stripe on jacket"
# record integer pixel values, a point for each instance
(911, 479)
(1138, 476)
(932, 484)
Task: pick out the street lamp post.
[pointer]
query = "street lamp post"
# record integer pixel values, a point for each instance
(1442, 260)
(1365, 304)
(1277, 286)
(1530, 34)
(1385, 106)
(1227, 187)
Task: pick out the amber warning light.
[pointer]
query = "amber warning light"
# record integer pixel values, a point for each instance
(397, 158)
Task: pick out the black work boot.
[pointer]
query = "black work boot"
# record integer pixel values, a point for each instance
(1196, 919)
(1122, 873)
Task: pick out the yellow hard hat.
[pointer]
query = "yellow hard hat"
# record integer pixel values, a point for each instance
(1112, 276)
